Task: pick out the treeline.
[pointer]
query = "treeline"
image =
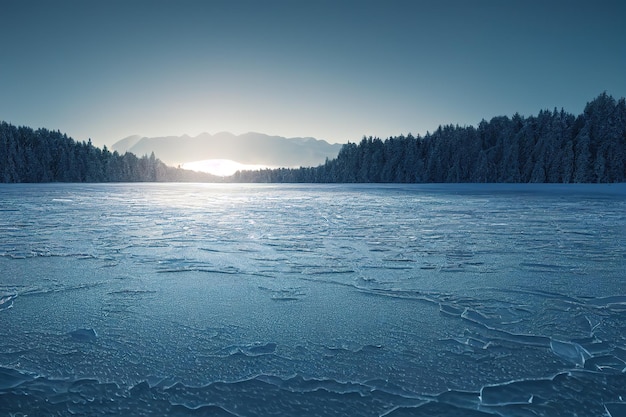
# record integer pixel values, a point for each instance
(28, 155)
(554, 147)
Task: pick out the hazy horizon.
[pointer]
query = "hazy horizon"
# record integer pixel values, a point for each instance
(335, 71)
(225, 153)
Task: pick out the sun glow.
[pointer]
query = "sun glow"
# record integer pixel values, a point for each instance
(220, 167)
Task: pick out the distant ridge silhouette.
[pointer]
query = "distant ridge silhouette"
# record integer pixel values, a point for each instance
(249, 148)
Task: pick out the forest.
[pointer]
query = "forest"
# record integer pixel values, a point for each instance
(41, 155)
(552, 147)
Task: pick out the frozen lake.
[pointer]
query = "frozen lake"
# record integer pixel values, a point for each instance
(312, 300)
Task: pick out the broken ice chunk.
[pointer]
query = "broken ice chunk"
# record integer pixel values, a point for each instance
(11, 378)
(84, 335)
(570, 351)
(6, 300)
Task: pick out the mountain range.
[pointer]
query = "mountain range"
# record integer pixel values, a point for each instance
(249, 149)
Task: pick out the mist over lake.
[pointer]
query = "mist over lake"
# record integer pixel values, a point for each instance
(316, 300)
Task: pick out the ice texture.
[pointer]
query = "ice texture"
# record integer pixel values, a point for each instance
(317, 300)
(84, 335)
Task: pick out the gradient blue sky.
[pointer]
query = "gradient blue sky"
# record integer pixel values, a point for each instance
(334, 70)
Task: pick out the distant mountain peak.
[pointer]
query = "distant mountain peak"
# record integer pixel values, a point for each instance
(125, 144)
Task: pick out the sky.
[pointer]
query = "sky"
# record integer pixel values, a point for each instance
(334, 70)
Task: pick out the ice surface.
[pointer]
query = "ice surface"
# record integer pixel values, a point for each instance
(240, 300)
(6, 300)
(84, 335)
(570, 351)
(11, 378)
(615, 409)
